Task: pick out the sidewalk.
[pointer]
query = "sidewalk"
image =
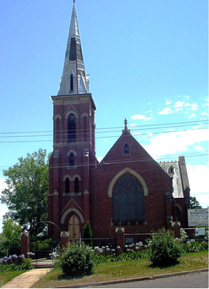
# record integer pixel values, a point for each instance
(27, 279)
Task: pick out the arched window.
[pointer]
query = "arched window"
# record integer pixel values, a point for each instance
(126, 149)
(85, 127)
(72, 160)
(128, 200)
(67, 186)
(71, 82)
(171, 170)
(76, 185)
(71, 128)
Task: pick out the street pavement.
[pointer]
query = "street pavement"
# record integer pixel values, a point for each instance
(195, 280)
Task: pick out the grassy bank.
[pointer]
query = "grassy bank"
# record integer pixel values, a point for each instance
(124, 270)
(7, 276)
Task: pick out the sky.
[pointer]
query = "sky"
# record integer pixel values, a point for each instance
(147, 61)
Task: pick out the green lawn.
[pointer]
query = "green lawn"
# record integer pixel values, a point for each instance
(7, 276)
(124, 270)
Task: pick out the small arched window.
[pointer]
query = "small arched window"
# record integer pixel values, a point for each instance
(71, 128)
(72, 160)
(171, 170)
(76, 185)
(126, 149)
(67, 186)
(71, 82)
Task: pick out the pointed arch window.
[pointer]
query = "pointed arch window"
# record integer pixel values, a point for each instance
(71, 83)
(67, 186)
(126, 149)
(128, 200)
(72, 160)
(71, 128)
(76, 185)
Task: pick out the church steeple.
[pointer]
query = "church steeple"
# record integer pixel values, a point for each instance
(74, 79)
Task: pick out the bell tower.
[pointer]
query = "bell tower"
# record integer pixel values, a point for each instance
(73, 142)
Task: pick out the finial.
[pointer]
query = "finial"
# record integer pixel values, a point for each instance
(125, 122)
(74, 1)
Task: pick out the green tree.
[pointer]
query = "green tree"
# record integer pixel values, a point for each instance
(26, 192)
(10, 237)
(194, 204)
(87, 232)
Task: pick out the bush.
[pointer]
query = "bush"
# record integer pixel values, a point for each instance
(76, 259)
(164, 248)
(193, 246)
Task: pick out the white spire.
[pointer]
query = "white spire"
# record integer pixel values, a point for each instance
(74, 79)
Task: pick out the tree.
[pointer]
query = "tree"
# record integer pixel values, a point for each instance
(194, 204)
(26, 193)
(10, 238)
(87, 232)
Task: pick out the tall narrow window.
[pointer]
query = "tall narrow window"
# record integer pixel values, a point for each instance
(71, 82)
(67, 186)
(71, 128)
(128, 200)
(126, 149)
(72, 160)
(76, 184)
(85, 127)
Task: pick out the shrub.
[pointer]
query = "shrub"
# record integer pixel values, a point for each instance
(193, 246)
(76, 259)
(164, 248)
(87, 233)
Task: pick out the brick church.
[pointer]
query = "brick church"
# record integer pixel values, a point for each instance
(128, 191)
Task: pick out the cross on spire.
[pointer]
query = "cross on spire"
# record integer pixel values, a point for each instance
(125, 122)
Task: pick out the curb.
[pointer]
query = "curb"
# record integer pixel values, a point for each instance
(137, 279)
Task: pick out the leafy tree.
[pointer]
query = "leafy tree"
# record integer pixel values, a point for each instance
(26, 192)
(10, 237)
(87, 232)
(194, 204)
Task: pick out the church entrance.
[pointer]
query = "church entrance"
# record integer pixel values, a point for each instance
(74, 227)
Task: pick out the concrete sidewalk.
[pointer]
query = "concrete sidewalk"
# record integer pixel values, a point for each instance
(27, 279)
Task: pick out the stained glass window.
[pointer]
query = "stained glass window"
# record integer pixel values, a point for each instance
(128, 200)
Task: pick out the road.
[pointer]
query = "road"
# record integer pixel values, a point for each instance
(195, 280)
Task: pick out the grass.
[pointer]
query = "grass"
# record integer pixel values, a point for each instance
(7, 276)
(123, 270)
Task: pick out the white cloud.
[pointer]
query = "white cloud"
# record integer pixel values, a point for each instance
(166, 110)
(141, 117)
(179, 104)
(198, 180)
(175, 142)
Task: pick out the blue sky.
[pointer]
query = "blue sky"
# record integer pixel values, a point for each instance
(147, 60)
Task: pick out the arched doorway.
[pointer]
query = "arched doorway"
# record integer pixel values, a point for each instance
(74, 227)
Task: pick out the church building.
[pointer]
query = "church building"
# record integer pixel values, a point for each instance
(128, 191)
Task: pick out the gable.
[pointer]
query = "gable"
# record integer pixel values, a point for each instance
(127, 150)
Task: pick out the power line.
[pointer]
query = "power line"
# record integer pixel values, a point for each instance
(97, 137)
